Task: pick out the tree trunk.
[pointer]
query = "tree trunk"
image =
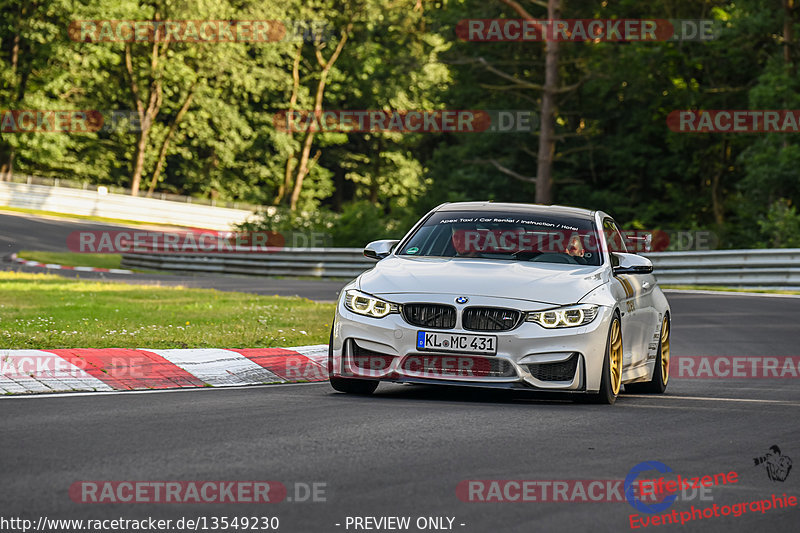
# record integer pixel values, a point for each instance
(373, 190)
(788, 7)
(302, 170)
(374, 186)
(146, 115)
(15, 54)
(544, 163)
(138, 161)
(717, 204)
(287, 179)
(290, 160)
(338, 190)
(7, 168)
(303, 166)
(165, 145)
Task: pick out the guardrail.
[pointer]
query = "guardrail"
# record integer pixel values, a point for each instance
(67, 183)
(743, 268)
(315, 262)
(734, 268)
(101, 203)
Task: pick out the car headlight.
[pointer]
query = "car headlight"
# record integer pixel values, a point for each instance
(364, 304)
(564, 317)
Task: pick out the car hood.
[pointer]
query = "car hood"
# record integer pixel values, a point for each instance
(537, 282)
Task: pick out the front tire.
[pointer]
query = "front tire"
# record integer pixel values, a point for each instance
(364, 387)
(658, 383)
(611, 380)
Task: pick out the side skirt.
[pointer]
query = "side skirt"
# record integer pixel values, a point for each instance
(641, 372)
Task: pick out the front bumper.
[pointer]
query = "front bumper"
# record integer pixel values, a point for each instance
(528, 356)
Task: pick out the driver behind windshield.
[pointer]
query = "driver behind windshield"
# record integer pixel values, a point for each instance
(505, 237)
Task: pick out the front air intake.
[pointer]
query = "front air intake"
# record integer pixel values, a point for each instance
(561, 371)
(435, 316)
(490, 319)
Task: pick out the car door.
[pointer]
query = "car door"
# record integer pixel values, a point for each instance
(629, 289)
(647, 315)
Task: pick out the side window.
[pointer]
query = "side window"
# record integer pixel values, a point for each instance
(613, 236)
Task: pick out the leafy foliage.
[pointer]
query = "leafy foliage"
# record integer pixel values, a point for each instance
(614, 150)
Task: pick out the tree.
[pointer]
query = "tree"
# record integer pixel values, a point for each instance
(31, 68)
(544, 159)
(325, 68)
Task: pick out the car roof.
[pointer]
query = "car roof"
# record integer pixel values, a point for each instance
(502, 207)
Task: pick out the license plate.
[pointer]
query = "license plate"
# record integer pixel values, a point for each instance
(456, 342)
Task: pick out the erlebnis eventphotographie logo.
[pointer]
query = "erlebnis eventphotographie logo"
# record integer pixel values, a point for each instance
(778, 466)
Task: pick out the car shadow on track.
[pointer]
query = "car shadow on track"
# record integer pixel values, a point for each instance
(447, 393)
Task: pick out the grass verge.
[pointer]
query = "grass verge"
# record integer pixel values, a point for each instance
(73, 259)
(45, 311)
(727, 289)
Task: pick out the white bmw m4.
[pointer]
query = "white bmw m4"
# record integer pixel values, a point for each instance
(517, 296)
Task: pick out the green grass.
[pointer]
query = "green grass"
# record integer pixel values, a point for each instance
(73, 259)
(121, 221)
(45, 311)
(732, 289)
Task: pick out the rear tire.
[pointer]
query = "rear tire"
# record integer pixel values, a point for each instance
(364, 387)
(611, 380)
(658, 383)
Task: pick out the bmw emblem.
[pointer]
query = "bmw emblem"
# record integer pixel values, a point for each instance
(462, 300)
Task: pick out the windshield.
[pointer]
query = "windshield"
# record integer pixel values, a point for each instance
(512, 236)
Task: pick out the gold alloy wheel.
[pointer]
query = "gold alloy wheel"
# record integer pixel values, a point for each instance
(615, 357)
(665, 351)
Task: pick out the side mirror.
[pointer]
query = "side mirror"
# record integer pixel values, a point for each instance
(630, 264)
(379, 249)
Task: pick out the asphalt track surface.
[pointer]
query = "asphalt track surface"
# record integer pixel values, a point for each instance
(49, 234)
(20, 231)
(403, 451)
